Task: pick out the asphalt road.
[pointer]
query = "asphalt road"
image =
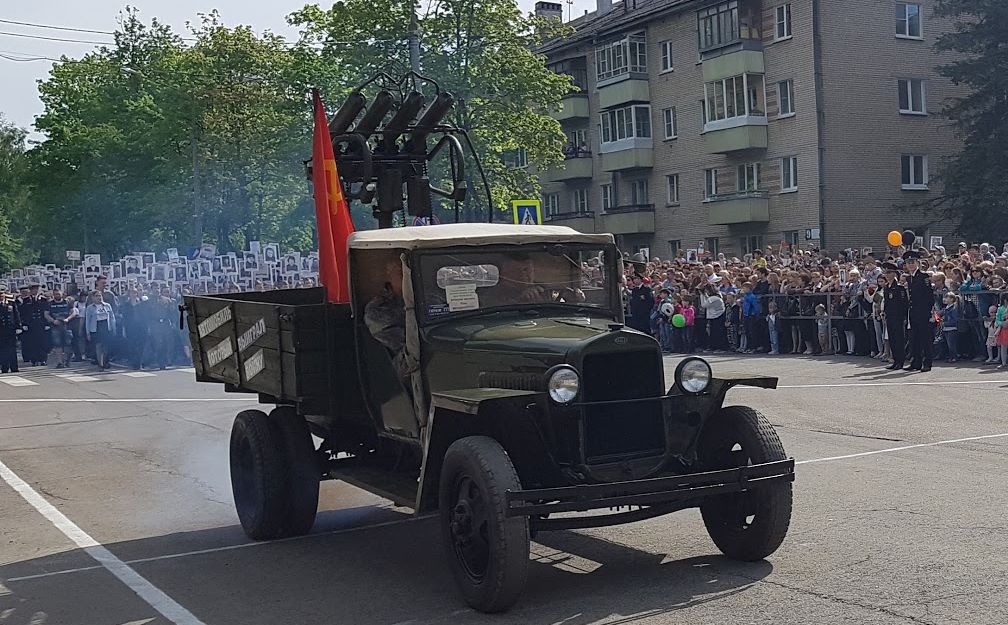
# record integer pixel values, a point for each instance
(115, 508)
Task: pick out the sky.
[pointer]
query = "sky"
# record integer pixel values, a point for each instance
(19, 102)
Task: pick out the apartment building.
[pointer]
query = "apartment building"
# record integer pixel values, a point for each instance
(740, 124)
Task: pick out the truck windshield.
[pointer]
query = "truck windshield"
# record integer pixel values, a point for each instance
(563, 276)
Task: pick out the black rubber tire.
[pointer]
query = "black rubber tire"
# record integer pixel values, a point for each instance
(302, 473)
(257, 476)
(480, 463)
(745, 526)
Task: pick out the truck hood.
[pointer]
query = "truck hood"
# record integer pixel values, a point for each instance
(518, 334)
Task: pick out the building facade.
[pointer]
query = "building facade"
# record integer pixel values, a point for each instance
(741, 124)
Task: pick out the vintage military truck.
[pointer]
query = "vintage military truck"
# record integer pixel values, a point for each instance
(510, 399)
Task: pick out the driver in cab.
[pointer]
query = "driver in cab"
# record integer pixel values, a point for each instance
(385, 317)
(517, 285)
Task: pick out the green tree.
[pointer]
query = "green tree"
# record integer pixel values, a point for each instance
(14, 193)
(483, 52)
(973, 195)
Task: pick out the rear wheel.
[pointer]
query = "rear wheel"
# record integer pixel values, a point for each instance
(488, 551)
(302, 472)
(751, 525)
(257, 476)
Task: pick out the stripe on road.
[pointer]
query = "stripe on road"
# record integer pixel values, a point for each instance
(82, 378)
(891, 450)
(116, 400)
(16, 380)
(138, 374)
(147, 591)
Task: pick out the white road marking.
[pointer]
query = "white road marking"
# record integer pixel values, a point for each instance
(106, 400)
(154, 597)
(849, 384)
(187, 369)
(82, 378)
(16, 380)
(903, 448)
(200, 552)
(138, 374)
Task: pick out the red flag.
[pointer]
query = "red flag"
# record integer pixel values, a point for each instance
(331, 211)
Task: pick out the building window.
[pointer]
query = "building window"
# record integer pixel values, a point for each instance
(639, 192)
(751, 243)
(718, 25)
(521, 158)
(785, 97)
(576, 69)
(703, 113)
(789, 174)
(607, 197)
(712, 246)
(671, 127)
(911, 97)
(908, 20)
(581, 200)
(710, 183)
(738, 96)
(749, 177)
(783, 22)
(551, 202)
(621, 57)
(666, 56)
(915, 172)
(626, 123)
(672, 182)
(674, 247)
(791, 238)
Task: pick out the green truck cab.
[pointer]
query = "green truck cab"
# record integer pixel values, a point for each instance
(506, 395)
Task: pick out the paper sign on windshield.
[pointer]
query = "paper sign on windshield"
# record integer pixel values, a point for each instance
(461, 297)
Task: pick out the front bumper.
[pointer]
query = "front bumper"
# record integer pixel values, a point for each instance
(653, 497)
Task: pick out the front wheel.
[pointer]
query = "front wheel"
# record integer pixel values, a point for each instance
(751, 525)
(488, 551)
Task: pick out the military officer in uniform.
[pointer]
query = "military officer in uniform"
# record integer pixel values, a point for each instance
(921, 305)
(35, 340)
(10, 328)
(896, 304)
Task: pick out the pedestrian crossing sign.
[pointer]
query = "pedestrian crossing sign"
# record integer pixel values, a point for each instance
(527, 212)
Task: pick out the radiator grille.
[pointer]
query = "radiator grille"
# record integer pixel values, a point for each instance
(623, 430)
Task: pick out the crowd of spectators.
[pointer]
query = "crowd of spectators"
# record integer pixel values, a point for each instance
(814, 303)
(128, 311)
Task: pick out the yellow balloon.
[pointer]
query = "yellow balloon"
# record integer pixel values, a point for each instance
(895, 238)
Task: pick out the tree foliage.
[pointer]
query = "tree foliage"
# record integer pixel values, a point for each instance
(144, 135)
(972, 181)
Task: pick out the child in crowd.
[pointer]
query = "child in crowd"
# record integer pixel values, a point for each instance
(1001, 321)
(733, 316)
(992, 331)
(666, 309)
(750, 310)
(823, 327)
(773, 325)
(689, 312)
(950, 325)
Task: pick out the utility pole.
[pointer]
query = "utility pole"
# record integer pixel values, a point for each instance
(197, 214)
(414, 39)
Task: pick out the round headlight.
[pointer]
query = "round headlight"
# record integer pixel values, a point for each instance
(693, 375)
(563, 385)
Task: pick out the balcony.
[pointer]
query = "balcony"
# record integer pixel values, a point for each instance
(572, 106)
(633, 153)
(736, 134)
(744, 60)
(729, 26)
(631, 219)
(583, 221)
(738, 208)
(577, 167)
(624, 90)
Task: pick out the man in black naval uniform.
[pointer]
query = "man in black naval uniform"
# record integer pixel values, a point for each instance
(35, 340)
(10, 328)
(895, 307)
(921, 305)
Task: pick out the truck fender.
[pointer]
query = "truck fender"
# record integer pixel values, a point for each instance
(506, 415)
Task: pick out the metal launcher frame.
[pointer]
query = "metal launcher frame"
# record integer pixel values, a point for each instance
(381, 150)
